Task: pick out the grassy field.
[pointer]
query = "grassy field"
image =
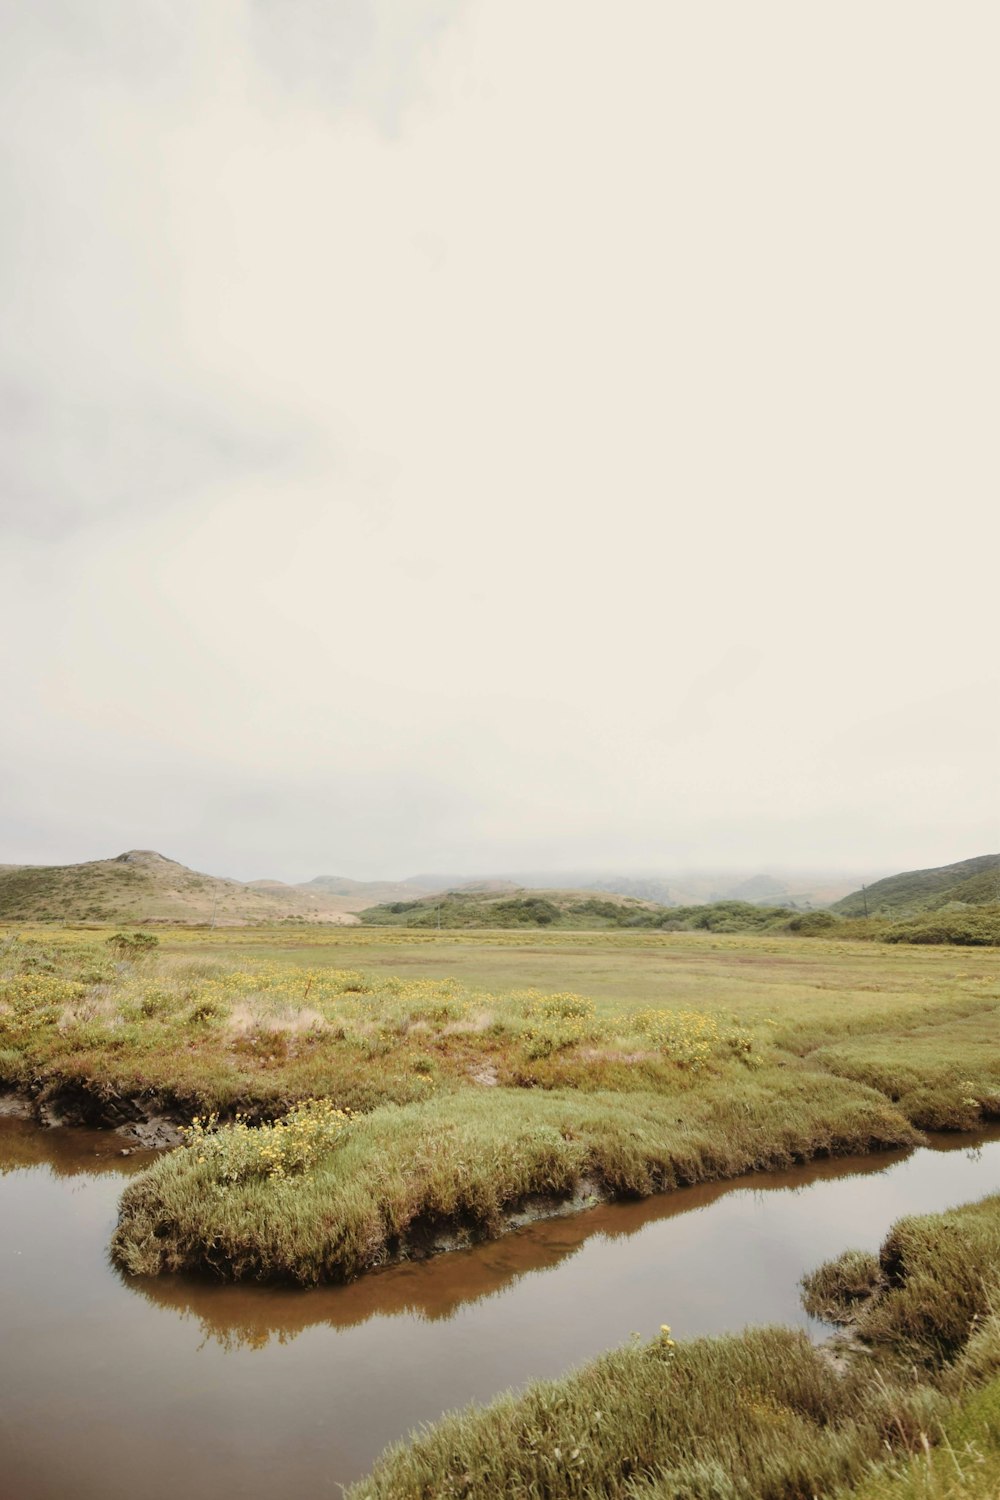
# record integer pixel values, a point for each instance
(485, 1074)
(762, 1414)
(716, 971)
(367, 1094)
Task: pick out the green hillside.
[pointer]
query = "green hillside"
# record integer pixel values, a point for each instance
(975, 882)
(580, 910)
(143, 886)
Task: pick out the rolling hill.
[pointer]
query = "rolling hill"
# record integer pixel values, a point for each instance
(483, 905)
(581, 910)
(142, 886)
(971, 882)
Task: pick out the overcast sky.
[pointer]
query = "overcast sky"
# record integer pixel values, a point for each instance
(485, 434)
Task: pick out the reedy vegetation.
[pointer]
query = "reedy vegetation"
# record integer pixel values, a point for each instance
(761, 1415)
(963, 1464)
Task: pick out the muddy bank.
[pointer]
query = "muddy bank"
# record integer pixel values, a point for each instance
(426, 1237)
(147, 1120)
(410, 1184)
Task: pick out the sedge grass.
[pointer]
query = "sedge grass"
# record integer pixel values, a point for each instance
(467, 1160)
(757, 1416)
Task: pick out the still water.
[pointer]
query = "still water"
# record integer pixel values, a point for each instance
(146, 1390)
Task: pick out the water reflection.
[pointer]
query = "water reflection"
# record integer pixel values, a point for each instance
(249, 1316)
(112, 1388)
(66, 1152)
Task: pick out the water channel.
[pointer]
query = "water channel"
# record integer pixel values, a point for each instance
(117, 1389)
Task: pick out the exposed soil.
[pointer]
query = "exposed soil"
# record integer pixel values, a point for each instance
(16, 1106)
(148, 1120)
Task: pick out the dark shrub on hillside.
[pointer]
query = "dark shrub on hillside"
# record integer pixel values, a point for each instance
(976, 928)
(525, 911)
(737, 916)
(813, 923)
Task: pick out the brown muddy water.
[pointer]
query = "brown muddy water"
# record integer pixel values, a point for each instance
(149, 1390)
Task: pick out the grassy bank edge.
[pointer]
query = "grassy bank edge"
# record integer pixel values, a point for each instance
(411, 1179)
(762, 1413)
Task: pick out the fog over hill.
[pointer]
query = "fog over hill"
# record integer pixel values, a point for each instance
(695, 887)
(142, 885)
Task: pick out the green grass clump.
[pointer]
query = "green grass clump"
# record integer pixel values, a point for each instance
(963, 1464)
(941, 1283)
(835, 1290)
(762, 1415)
(465, 1161)
(759, 1415)
(932, 1294)
(936, 1299)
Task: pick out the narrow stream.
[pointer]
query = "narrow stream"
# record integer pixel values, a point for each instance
(114, 1389)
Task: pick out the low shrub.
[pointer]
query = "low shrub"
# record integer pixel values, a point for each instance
(288, 1147)
(133, 945)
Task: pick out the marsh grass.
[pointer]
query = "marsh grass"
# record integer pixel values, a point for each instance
(834, 1291)
(258, 1036)
(942, 1283)
(467, 1160)
(963, 1463)
(943, 1079)
(755, 1416)
(476, 1098)
(761, 1415)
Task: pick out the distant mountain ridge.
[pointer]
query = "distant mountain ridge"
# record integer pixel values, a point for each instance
(970, 882)
(142, 885)
(700, 888)
(370, 892)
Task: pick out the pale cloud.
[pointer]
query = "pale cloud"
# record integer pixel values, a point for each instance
(483, 435)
